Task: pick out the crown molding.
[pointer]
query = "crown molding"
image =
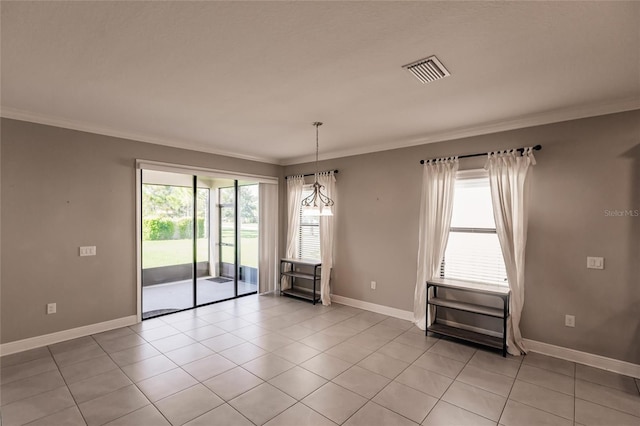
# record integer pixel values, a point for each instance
(16, 114)
(549, 117)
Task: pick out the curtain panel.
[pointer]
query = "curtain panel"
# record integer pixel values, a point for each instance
(268, 238)
(294, 199)
(327, 233)
(509, 180)
(436, 207)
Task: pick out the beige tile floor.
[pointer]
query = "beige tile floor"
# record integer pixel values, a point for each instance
(278, 361)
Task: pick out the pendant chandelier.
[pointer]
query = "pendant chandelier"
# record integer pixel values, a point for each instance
(317, 203)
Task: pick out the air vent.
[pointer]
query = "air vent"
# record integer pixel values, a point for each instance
(428, 69)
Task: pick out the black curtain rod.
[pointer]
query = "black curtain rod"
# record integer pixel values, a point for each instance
(535, 148)
(312, 174)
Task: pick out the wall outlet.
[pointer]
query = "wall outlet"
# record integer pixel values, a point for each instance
(373, 285)
(569, 320)
(51, 308)
(595, 262)
(88, 251)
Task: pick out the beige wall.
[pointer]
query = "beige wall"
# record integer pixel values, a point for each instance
(585, 167)
(62, 189)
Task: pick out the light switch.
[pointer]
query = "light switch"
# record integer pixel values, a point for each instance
(88, 251)
(595, 262)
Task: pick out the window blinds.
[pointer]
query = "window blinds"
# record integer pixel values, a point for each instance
(473, 251)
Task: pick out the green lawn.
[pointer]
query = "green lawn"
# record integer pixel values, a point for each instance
(177, 252)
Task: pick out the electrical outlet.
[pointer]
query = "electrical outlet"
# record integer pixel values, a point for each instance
(51, 308)
(88, 251)
(569, 320)
(373, 285)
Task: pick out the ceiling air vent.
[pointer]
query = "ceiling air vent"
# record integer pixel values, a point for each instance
(428, 69)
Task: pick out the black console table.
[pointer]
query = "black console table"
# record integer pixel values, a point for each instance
(295, 273)
(478, 337)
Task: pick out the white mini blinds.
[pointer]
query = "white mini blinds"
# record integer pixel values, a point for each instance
(309, 237)
(473, 250)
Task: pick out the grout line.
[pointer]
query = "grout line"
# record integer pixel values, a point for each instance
(540, 409)
(609, 408)
(456, 379)
(67, 386)
(234, 409)
(136, 384)
(398, 375)
(511, 389)
(310, 408)
(547, 387)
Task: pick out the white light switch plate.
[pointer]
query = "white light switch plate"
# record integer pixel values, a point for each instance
(88, 251)
(595, 262)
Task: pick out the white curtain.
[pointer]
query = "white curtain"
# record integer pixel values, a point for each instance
(294, 199)
(327, 227)
(436, 206)
(268, 238)
(508, 172)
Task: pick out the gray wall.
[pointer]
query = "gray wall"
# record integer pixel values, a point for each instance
(62, 189)
(585, 167)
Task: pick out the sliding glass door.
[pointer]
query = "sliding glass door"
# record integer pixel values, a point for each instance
(193, 231)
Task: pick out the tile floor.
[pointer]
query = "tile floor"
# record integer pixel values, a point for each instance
(278, 361)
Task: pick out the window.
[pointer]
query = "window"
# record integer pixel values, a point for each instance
(473, 251)
(309, 242)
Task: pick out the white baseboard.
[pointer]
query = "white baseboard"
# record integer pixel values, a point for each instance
(61, 336)
(604, 363)
(367, 306)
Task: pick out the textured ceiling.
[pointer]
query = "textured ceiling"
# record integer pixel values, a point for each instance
(248, 78)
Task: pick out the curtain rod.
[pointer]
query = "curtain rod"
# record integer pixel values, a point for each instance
(535, 148)
(313, 174)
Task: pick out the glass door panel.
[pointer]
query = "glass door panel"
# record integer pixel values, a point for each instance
(203, 218)
(248, 197)
(219, 281)
(167, 242)
(204, 266)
